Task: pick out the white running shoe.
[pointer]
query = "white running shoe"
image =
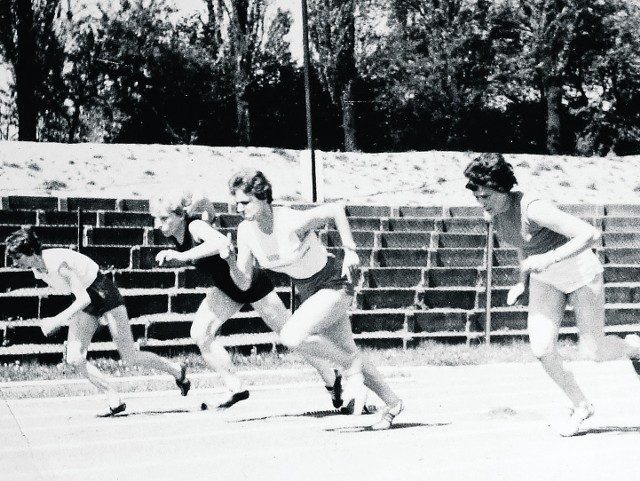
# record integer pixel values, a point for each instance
(354, 392)
(580, 413)
(389, 413)
(634, 341)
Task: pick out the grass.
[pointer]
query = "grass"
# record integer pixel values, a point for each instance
(429, 353)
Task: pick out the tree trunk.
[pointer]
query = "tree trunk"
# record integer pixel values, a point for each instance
(26, 73)
(554, 105)
(349, 118)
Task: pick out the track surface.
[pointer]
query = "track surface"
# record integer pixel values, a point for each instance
(476, 423)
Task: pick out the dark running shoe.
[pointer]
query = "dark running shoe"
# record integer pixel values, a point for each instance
(116, 410)
(233, 398)
(336, 391)
(636, 365)
(366, 409)
(183, 383)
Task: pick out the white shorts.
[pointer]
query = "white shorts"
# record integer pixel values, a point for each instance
(571, 274)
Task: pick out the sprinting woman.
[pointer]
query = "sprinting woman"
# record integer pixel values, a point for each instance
(96, 300)
(283, 240)
(186, 219)
(556, 257)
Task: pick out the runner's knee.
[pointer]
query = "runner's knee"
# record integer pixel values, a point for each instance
(75, 358)
(203, 328)
(291, 338)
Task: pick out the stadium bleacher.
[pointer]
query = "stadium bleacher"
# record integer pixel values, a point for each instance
(423, 275)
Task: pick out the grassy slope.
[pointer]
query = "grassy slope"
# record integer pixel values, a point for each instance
(412, 178)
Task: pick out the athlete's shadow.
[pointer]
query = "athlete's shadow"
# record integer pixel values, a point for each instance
(127, 414)
(611, 430)
(308, 414)
(398, 425)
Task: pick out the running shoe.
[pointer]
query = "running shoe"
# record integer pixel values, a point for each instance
(183, 383)
(579, 414)
(634, 341)
(388, 414)
(354, 390)
(116, 410)
(336, 391)
(232, 398)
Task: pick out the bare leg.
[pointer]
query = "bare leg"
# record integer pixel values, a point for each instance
(214, 311)
(588, 304)
(120, 329)
(546, 310)
(372, 377)
(82, 327)
(307, 327)
(275, 315)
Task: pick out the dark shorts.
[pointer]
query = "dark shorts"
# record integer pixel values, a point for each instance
(261, 285)
(104, 295)
(327, 278)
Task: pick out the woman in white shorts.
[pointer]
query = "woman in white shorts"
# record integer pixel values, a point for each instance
(96, 299)
(557, 260)
(283, 240)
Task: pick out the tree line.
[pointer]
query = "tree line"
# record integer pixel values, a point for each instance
(536, 76)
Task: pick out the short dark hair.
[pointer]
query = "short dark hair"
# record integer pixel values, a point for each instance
(252, 182)
(23, 241)
(490, 170)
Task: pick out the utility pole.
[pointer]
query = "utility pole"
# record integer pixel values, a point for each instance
(307, 96)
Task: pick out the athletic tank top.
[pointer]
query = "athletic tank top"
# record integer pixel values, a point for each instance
(85, 268)
(218, 270)
(284, 250)
(515, 228)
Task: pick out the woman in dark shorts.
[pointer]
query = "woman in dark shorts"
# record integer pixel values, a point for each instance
(97, 300)
(186, 219)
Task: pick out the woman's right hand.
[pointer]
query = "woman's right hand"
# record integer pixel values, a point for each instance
(167, 255)
(515, 293)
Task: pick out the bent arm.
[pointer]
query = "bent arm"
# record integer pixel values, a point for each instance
(80, 293)
(582, 235)
(212, 242)
(318, 216)
(241, 264)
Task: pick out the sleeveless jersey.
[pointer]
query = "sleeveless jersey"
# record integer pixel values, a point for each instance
(284, 250)
(218, 270)
(515, 228)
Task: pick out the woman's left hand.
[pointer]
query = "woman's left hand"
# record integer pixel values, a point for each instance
(349, 264)
(537, 263)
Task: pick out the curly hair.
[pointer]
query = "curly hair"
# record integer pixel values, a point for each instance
(252, 182)
(183, 203)
(490, 170)
(23, 241)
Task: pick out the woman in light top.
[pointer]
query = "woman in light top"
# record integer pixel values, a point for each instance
(283, 240)
(96, 299)
(557, 261)
(186, 218)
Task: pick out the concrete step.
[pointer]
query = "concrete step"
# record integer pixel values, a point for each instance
(17, 217)
(28, 202)
(452, 277)
(462, 240)
(48, 235)
(464, 225)
(412, 240)
(400, 257)
(420, 211)
(621, 239)
(622, 210)
(124, 219)
(331, 238)
(385, 298)
(466, 211)
(116, 236)
(411, 224)
(392, 276)
(619, 255)
(621, 224)
(368, 211)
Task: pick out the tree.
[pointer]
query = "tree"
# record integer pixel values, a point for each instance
(333, 34)
(30, 44)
